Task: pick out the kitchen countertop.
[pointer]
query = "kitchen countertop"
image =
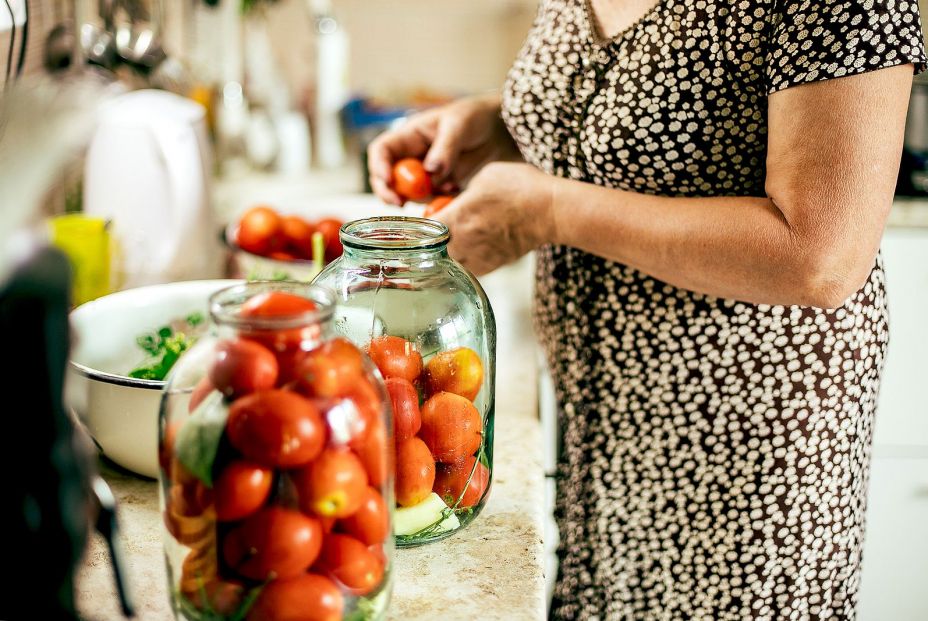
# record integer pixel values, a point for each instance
(493, 569)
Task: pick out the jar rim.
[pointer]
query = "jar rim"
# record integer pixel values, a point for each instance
(394, 233)
(225, 304)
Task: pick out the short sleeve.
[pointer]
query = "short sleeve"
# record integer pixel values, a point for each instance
(814, 40)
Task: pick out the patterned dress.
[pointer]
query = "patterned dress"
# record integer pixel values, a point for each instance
(715, 453)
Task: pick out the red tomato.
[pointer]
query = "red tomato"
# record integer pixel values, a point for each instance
(351, 563)
(329, 227)
(273, 543)
(451, 427)
(368, 409)
(415, 472)
(333, 485)
(331, 370)
(281, 255)
(395, 357)
(241, 489)
(298, 236)
(375, 451)
(405, 401)
(308, 597)
(451, 481)
(242, 366)
(283, 342)
(410, 179)
(438, 203)
(258, 230)
(378, 551)
(200, 392)
(276, 428)
(457, 370)
(276, 304)
(371, 522)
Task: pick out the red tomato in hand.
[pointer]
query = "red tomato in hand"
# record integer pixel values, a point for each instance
(308, 597)
(405, 400)
(241, 489)
(351, 563)
(410, 179)
(333, 485)
(457, 370)
(242, 366)
(451, 482)
(259, 230)
(438, 203)
(395, 357)
(370, 523)
(298, 235)
(276, 428)
(331, 370)
(375, 450)
(415, 472)
(329, 227)
(451, 427)
(273, 543)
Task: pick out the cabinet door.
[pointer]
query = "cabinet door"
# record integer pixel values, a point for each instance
(894, 585)
(902, 416)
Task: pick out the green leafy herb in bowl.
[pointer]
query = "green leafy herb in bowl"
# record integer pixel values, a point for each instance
(165, 345)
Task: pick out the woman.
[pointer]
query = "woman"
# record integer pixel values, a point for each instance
(707, 204)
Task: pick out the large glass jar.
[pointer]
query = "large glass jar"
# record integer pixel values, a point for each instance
(428, 326)
(276, 465)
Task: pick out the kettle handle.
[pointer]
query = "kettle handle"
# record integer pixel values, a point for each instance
(183, 163)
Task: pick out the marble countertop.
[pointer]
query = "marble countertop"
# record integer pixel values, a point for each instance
(493, 569)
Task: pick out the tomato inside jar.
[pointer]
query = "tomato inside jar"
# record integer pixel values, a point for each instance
(426, 324)
(276, 456)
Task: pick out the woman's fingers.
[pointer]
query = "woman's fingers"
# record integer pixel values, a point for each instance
(442, 157)
(406, 141)
(385, 192)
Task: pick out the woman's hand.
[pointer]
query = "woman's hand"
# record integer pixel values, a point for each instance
(505, 212)
(453, 141)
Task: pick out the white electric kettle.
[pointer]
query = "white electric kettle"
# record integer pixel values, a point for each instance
(147, 171)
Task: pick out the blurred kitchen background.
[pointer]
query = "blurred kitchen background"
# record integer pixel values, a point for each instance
(273, 102)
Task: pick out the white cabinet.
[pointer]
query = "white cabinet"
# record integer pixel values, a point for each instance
(902, 415)
(894, 585)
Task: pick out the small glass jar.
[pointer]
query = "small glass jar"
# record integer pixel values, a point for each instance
(276, 478)
(426, 323)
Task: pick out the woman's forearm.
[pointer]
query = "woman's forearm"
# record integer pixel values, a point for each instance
(742, 248)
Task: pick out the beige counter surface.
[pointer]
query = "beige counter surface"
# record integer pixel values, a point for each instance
(493, 569)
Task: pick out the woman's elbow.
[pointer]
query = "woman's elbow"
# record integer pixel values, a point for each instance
(826, 279)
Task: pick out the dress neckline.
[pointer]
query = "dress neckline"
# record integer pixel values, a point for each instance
(598, 38)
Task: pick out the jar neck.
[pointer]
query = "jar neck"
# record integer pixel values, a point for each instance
(310, 322)
(395, 237)
(412, 255)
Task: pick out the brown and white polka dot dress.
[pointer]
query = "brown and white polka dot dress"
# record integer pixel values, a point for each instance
(715, 453)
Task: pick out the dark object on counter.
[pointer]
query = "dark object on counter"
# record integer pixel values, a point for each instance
(52, 493)
(913, 169)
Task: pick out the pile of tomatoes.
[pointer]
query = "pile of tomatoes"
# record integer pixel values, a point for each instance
(263, 231)
(292, 507)
(437, 428)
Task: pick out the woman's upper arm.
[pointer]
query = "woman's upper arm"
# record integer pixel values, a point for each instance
(832, 163)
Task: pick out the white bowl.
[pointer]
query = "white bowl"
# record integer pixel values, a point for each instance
(121, 412)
